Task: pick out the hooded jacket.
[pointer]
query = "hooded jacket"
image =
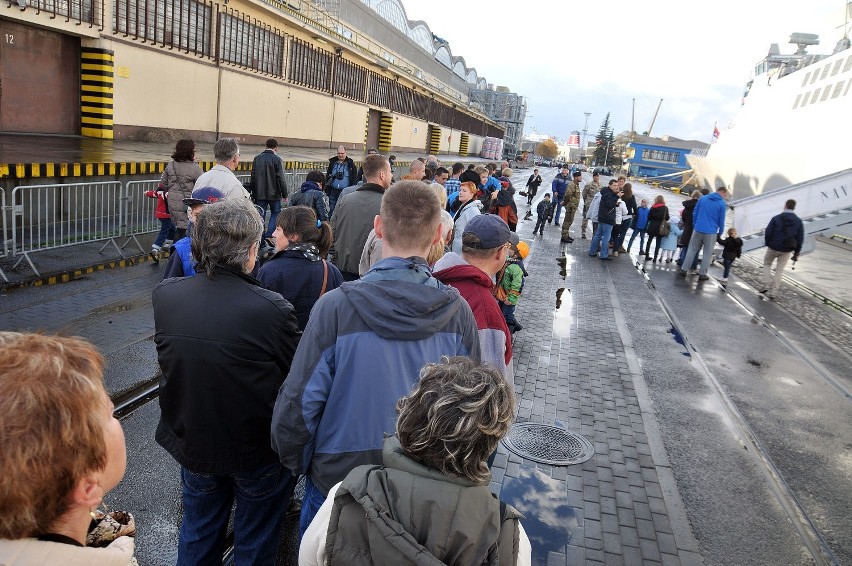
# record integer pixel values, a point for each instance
(658, 214)
(362, 350)
(310, 195)
(475, 286)
(377, 512)
(708, 217)
(607, 206)
(462, 216)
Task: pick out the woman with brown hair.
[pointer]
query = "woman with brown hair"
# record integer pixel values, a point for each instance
(658, 215)
(178, 180)
(629, 200)
(299, 270)
(62, 452)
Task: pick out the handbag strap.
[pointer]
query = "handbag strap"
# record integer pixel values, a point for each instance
(324, 277)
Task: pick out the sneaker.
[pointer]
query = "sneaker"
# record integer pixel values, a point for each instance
(641, 252)
(155, 257)
(723, 280)
(517, 327)
(692, 272)
(556, 223)
(703, 277)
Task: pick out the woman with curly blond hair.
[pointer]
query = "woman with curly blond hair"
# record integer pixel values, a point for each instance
(62, 451)
(434, 472)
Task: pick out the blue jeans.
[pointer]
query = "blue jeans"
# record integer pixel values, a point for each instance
(261, 495)
(622, 233)
(311, 503)
(727, 263)
(274, 209)
(558, 210)
(601, 238)
(641, 234)
(509, 314)
(167, 231)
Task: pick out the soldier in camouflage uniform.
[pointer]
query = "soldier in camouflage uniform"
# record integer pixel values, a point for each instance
(571, 201)
(589, 192)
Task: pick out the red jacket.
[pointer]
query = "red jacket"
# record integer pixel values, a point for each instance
(160, 195)
(475, 286)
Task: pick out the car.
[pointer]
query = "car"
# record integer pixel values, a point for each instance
(546, 163)
(605, 171)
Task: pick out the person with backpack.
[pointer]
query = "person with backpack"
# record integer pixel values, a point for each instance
(784, 235)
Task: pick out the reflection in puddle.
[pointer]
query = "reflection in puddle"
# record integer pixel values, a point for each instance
(549, 520)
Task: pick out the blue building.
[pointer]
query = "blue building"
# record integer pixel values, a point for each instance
(659, 157)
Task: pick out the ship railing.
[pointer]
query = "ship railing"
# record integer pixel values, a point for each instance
(698, 152)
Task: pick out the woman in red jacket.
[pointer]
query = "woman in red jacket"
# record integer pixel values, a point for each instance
(167, 229)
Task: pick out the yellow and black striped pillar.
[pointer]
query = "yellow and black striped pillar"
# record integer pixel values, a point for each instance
(464, 140)
(385, 133)
(96, 90)
(434, 140)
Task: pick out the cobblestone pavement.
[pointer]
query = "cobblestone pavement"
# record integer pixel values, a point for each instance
(571, 370)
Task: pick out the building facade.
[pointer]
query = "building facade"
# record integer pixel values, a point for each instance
(658, 157)
(315, 74)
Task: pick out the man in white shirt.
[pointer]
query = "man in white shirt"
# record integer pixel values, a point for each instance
(221, 176)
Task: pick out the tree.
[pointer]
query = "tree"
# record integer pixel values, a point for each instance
(603, 140)
(547, 149)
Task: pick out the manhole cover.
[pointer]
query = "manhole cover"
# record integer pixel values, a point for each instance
(548, 444)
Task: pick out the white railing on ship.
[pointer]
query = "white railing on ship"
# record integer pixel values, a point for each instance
(699, 152)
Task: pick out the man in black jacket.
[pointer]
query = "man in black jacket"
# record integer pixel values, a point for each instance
(224, 344)
(606, 220)
(267, 186)
(784, 235)
(341, 173)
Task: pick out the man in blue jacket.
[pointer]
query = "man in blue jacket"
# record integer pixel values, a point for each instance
(559, 186)
(708, 221)
(363, 349)
(606, 220)
(784, 235)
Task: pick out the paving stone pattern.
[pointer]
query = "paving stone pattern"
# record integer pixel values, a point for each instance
(571, 370)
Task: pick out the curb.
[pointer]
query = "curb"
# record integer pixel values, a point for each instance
(72, 274)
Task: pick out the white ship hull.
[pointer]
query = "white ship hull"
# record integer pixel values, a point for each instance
(789, 130)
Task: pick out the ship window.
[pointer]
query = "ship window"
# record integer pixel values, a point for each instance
(837, 88)
(798, 98)
(815, 97)
(814, 77)
(807, 76)
(836, 67)
(848, 64)
(825, 71)
(826, 91)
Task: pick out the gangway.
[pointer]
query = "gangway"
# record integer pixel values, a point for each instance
(823, 204)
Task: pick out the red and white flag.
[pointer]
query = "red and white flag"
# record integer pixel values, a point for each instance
(715, 134)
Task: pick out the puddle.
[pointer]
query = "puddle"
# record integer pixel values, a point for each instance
(549, 520)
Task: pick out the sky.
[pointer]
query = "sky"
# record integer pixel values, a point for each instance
(568, 58)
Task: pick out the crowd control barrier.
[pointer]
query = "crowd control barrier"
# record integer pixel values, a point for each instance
(138, 212)
(46, 217)
(6, 238)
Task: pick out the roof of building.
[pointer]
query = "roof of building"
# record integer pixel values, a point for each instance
(669, 141)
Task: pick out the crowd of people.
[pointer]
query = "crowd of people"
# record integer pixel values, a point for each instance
(369, 350)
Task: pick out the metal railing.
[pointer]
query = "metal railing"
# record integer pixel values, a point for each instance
(54, 216)
(39, 218)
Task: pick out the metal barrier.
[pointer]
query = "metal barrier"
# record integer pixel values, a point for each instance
(138, 212)
(47, 217)
(6, 238)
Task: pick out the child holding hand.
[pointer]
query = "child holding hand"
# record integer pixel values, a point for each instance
(732, 249)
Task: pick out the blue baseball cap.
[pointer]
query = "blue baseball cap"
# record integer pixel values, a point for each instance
(491, 230)
(204, 195)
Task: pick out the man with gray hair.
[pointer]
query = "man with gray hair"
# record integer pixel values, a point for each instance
(224, 344)
(221, 176)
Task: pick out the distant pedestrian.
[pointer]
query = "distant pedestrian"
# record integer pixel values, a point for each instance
(709, 223)
(589, 192)
(311, 194)
(222, 366)
(363, 349)
(558, 187)
(640, 226)
(161, 213)
(785, 236)
(544, 210)
(226, 151)
(178, 181)
(340, 174)
(299, 270)
(657, 216)
(571, 201)
(669, 242)
(532, 186)
(267, 185)
(732, 248)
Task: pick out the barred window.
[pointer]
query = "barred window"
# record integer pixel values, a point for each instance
(309, 66)
(182, 24)
(251, 44)
(80, 10)
(350, 80)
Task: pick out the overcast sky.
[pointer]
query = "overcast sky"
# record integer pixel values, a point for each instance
(568, 58)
